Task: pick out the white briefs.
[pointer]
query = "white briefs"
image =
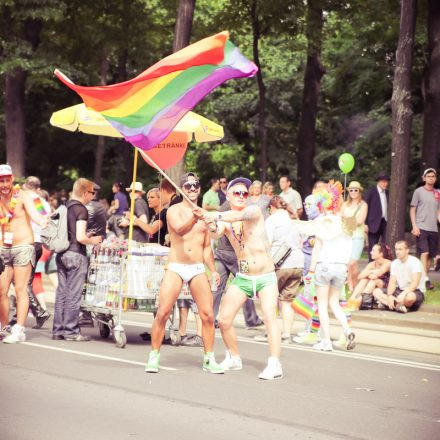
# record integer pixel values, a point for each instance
(187, 271)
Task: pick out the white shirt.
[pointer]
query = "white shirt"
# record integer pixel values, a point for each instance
(281, 230)
(383, 202)
(292, 198)
(403, 272)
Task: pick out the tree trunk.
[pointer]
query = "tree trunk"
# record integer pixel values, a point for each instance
(100, 146)
(262, 129)
(15, 121)
(401, 123)
(312, 87)
(431, 116)
(182, 36)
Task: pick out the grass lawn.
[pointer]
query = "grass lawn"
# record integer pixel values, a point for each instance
(433, 296)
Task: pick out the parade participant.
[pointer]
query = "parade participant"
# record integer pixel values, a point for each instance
(17, 251)
(190, 249)
(244, 227)
(330, 257)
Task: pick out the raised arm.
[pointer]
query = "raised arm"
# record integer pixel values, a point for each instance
(252, 212)
(32, 211)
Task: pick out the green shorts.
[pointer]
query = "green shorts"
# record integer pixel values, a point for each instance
(252, 284)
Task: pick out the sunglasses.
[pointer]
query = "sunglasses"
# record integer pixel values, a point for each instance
(353, 190)
(191, 185)
(243, 194)
(92, 192)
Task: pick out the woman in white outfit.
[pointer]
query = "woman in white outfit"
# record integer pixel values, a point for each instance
(328, 267)
(283, 234)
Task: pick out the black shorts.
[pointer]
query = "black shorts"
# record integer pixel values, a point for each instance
(417, 303)
(427, 242)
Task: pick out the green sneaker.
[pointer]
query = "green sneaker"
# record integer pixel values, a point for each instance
(210, 365)
(153, 362)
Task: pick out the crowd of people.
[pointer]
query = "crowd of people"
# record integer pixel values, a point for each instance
(271, 247)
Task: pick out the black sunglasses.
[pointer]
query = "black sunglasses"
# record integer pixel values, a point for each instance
(92, 192)
(190, 185)
(244, 194)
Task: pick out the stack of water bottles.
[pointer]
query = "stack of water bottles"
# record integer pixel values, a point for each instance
(132, 277)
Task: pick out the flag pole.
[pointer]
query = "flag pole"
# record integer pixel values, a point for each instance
(130, 228)
(176, 187)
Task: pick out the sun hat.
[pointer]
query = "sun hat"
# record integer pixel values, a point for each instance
(246, 182)
(355, 184)
(137, 187)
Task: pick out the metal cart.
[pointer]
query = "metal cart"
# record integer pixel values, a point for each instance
(120, 281)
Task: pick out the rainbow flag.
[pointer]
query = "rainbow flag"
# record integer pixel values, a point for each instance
(39, 205)
(145, 109)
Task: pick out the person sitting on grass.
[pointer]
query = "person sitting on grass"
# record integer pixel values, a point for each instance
(375, 275)
(406, 288)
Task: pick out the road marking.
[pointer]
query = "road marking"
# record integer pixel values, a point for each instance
(351, 354)
(93, 355)
(354, 355)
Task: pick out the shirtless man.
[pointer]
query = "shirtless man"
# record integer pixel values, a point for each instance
(244, 227)
(190, 249)
(17, 251)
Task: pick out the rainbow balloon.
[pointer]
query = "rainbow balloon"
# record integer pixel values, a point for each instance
(145, 109)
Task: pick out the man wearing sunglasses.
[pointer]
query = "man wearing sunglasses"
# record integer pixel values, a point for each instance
(190, 250)
(244, 227)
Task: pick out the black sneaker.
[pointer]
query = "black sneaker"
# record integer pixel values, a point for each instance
(41, 320)
(429, 285)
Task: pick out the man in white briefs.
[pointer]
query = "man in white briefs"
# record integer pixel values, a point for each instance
(190, 249)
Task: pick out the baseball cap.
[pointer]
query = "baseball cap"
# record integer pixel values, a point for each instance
(137, 187)
(5, 170)
(184, 177)
(429, 170)
(246, 182)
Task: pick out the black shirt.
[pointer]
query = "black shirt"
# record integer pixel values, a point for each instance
(76, 211)
(140, 207)
(175, 199)
(159, 236)
(96, 224)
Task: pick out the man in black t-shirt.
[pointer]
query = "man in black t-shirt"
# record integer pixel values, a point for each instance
(97, 221)
(140, 211)
(72, 265)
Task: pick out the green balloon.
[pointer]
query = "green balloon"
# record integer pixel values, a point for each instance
(346, 163)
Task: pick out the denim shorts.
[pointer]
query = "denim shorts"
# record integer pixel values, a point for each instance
(331, 274)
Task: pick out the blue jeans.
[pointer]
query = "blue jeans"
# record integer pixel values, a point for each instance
(72, 271)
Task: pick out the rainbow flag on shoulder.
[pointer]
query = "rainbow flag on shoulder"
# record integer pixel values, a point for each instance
(145, 109)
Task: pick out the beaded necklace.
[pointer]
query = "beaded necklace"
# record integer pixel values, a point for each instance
(7, 211)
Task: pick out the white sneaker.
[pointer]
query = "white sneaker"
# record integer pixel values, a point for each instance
(17, 335)
(323, 345)
(231, 363)
(273, 370)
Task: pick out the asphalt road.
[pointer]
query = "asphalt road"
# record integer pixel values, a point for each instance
(66, 391)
